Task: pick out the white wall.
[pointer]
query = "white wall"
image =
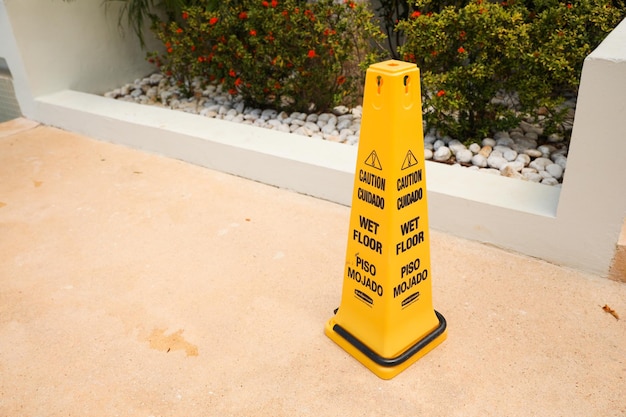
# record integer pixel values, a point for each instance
(52, 45)
(577, 225)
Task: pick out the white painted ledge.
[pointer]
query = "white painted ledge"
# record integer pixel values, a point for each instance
(314, 167)
(309, 166)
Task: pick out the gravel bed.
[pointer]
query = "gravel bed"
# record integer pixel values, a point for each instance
(519, 153)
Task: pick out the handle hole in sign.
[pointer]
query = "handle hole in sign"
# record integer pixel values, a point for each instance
(379, 82)
(393, 64)
(407, 81)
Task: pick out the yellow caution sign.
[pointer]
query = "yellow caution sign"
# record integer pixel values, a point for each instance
(386, 318)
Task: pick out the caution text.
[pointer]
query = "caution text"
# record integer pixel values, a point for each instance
(410, 198)
(410, 179)
(365, 281)
(372, 179)
(365, 265)
(367, 224)
(410, 226)
(410, 283)
(367, 241)
(409, 243)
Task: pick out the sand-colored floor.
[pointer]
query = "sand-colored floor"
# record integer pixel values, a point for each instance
(136, 285)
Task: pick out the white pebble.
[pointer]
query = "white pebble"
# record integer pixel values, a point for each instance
(532, 176)
(430, 138)
(555, 170)
(495, 161)
(540, 164)
(533, 153)
(443, 153)
(464, 156)
(479, 160)
(523, 158)
(489, 142)
(268, 114)
(312, 127)
(549, 181)
(475, 148)
(509, 155)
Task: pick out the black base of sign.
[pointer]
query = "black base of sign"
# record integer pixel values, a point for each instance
(406, 355)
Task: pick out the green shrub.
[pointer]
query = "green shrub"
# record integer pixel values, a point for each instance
(530, 53)
(137, 13)
(287, 54)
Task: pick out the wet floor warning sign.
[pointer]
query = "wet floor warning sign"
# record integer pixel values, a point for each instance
(386, 318)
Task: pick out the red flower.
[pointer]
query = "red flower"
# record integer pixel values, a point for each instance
(238, 82)
(441, 93)
(274, 3)
(252, 32)
(200, 59)
(168, 45)
(185, 15)
(461, 50)
(232, 91)
(285, 13)
(232, 73)
(170, 50)
(213, 21)
(462, 35)
(311, 53)
(350, 4)
(265, 4)
(179, 30)
(569, 5)
(243, 15)
(341, 79)
(193, 48)
(416, 14)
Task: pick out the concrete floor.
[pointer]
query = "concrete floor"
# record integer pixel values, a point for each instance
(136, 285)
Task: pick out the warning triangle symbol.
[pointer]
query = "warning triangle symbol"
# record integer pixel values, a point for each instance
(409, 160)
(373, 161)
